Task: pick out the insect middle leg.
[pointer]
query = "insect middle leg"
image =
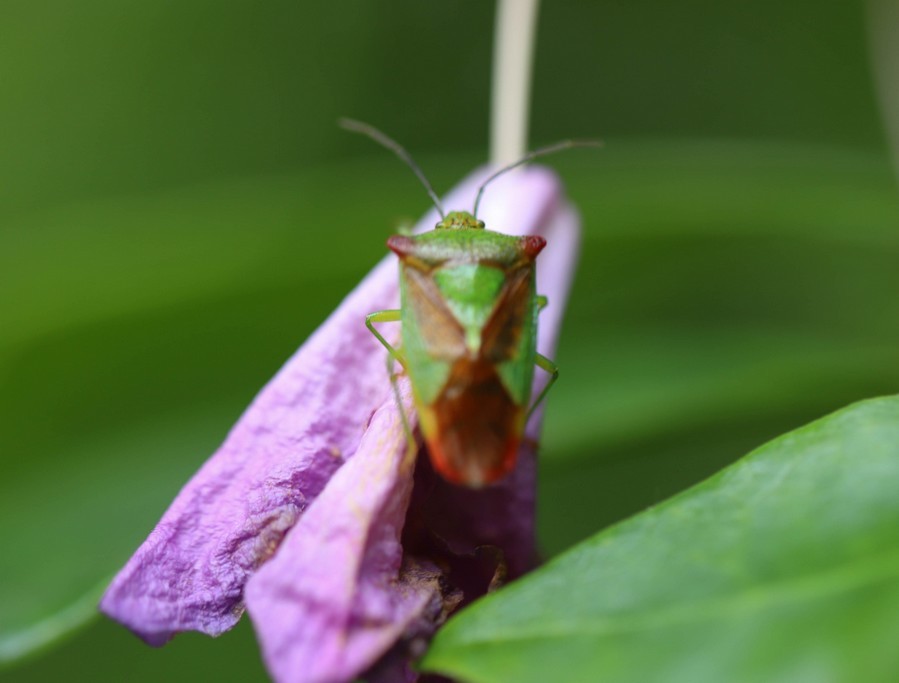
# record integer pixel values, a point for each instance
(394, 355)
(546, 364)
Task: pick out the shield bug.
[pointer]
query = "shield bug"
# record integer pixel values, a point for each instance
(468, 314)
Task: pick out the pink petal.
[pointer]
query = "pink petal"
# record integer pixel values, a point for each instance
(190, 572)
(336, 596)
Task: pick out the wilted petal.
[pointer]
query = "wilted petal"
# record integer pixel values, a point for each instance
(337, 594)
(190, 572)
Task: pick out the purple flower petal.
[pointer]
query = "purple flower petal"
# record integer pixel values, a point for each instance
(336, 596)
(190, 572)
(341, 591)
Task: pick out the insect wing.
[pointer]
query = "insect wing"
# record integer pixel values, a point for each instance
(471, 405)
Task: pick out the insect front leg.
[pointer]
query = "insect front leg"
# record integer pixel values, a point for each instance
(411, 444)
(542, 302)
(394, 355)
(390, 316)
(546, 364)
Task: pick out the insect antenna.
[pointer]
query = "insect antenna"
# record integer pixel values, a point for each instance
(530, 156)
(359, 127)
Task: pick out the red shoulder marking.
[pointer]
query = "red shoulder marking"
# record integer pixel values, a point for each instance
(532, 245)
(401, 245)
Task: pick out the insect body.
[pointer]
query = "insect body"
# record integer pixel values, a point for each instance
(469, 342)
(469, 339)
(468, 310)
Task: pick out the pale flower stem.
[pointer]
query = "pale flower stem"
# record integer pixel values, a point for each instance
(883, 40)
(513, 58)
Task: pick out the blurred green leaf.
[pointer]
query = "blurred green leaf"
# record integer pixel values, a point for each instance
(783, 567)
(105, 652)
(99, 101)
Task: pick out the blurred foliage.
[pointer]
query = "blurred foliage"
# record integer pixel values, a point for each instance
(103, 97)
(178, 211)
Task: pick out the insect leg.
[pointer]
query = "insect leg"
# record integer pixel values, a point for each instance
(546, 364)
(411, 445)
(542, 302)
(393, 355)
(391, 316)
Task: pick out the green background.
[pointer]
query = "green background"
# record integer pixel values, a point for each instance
(178, 211)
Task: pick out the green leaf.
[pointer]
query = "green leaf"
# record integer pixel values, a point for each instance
(782, 567)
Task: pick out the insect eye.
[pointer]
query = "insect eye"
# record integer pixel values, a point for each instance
(532, 245)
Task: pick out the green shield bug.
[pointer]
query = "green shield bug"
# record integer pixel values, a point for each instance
(468, 314)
